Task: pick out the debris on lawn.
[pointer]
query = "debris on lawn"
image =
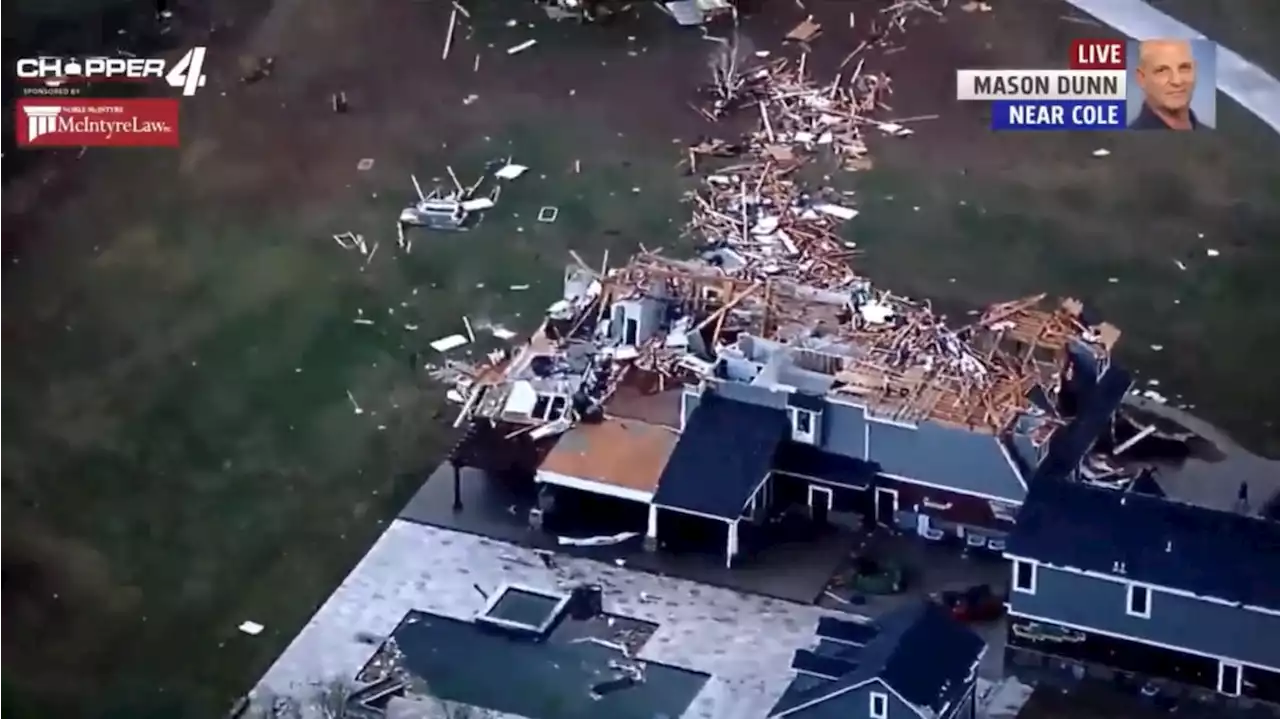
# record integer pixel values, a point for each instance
(521, 47)
(354, 405)
(253, 629)
(365, 164)
(548, 214)
(339, 102)
(510, 171)
(691, 13)
(772, 297)
(448, 36)
(1212, 252)
(452, 342)
(1101, 152)
(255, 69)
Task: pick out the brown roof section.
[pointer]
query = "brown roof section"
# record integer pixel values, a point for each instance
(623, 453)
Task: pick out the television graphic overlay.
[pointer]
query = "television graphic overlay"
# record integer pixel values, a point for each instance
(1108, 85)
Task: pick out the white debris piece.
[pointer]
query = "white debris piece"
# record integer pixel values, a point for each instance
(1101, 152)
(365, 164)
(521, 47)
(444, 344)
(510, 171)
(477, 204)
(253, 629)
(354, 405)
(596, 541)
(838, 211)
(502, 333)
(548, 214)
(876, 313)
(1212, 252)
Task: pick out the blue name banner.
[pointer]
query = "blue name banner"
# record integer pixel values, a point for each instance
(1048, 115)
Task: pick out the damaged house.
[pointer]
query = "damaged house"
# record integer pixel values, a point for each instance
(704, 406)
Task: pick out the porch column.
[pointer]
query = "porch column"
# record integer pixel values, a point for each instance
(731, 550)
(457, 485)
(651, 534)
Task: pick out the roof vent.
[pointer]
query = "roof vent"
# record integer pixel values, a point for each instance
(1117, 567)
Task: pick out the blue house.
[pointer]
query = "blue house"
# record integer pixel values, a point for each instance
(914, 663)
(936, 473)
(1118, 583)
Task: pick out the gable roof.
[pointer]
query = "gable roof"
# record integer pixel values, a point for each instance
(724, 453)
(919, 652)
(1224, 555)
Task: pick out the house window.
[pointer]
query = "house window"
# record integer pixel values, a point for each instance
(1229, 679)
(879, 706)
(803, 425)
(1024, 576)
(1139, 601)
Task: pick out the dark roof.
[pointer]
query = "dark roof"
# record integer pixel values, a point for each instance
(1211, 553)
(919, 651)
(1069, 444)
(811, 402)
(724, 453)
(806, 460)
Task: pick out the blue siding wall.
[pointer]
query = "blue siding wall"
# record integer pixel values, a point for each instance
(844, 430)
(856, 704)
(953, 457)
(1205, 627)
(750, 394)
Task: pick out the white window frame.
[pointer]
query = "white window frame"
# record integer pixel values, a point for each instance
(1231, 691)
(1033, 570)
(1128, 601)
(798, 435)
(879, 708)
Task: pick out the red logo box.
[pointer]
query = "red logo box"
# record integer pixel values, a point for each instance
(95, 122)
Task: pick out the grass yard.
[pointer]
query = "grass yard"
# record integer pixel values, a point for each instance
(180, 452)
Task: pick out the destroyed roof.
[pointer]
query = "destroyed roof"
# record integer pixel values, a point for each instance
(689, 321)
(772, 300)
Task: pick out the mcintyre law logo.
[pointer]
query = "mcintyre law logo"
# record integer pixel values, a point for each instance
(60, 75)
(149, 122)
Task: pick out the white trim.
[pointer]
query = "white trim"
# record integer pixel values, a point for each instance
(876, 498)
(562, 601)
(1116, 635)
(866, 438)
(1013, 465)
(956, 490)
(878, 705)
(798, 435)
(845, 690)
(1128, 601)
(890, 422)
(684, 406)
(1034, 573)
(824, 482)
(1239, 683)
(593, 486)
(1166, 590)
(691, 513)
(816, 489)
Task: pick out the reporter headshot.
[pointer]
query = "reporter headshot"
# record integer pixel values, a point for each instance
(1166, 73)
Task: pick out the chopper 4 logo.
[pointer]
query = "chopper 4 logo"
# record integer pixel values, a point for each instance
(186, 73)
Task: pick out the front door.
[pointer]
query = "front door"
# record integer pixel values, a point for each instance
(886, 505)
(819, 503)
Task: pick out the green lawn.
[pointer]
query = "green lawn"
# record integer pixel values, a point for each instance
(179, 411)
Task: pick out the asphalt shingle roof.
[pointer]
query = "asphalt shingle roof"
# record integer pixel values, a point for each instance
(1211, 553)
(724, 453)
(919, 651)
